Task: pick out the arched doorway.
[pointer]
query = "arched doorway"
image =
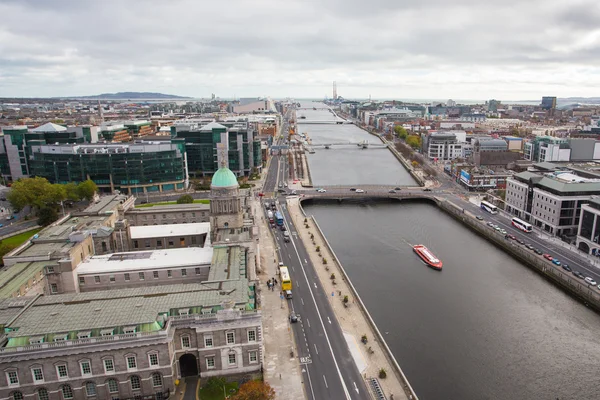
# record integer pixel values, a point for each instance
(188, 365)
(583, 246)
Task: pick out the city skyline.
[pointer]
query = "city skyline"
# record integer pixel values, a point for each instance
(464, 50)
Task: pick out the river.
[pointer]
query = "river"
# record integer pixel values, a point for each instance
(486, 327)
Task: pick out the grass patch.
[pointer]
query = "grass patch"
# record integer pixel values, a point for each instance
(206, 394)
(170, 203)
(19, 239)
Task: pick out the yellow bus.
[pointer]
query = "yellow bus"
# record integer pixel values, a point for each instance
(284, 275)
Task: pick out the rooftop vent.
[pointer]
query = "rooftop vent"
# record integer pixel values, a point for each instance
(98, 309)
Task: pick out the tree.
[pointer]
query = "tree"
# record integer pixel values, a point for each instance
(185, 199)
(87, 189)
(35, 192)
(255, 390)
(47, 215)
(5, 249)
(400, 131)
(72, 191)
(413, 141)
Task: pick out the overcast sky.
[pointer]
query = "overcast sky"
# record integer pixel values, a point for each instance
(459, 49)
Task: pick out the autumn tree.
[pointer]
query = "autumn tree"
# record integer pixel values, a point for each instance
(400, 131)
(255, 390)
(413, 141)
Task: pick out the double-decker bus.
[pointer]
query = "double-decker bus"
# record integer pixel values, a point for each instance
(489, 207)
(522, 225)
(286, 281)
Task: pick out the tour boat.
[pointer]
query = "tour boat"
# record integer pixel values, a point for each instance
(427, 256)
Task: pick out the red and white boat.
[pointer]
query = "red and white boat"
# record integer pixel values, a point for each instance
(427, 256)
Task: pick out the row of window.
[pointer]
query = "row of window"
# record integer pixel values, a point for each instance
(159, 243)
(232, 359)
(183, 215)
(208, 339)
(141, 276)
(85, 366)
(90, 388)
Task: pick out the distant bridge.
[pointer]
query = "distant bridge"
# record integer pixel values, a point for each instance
(362, 145)
(323, 122)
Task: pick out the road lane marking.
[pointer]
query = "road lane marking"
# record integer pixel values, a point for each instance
(327, 386)
(302, 300)
(308, 322)
(315, 285)
(317, 351)
(355, 387)
(328, 320)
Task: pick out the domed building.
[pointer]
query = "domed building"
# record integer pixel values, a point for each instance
(225, 204)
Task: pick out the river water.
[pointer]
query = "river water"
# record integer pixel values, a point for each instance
(348, 164)
(486, 327)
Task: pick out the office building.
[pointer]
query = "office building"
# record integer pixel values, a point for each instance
(130, 168)
(588, 234)
(548, 103)
(242, 146)
(547, 149)
(552, 200)
(443, 147)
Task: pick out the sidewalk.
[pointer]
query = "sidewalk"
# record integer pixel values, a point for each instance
(280, 370)
(351, 319)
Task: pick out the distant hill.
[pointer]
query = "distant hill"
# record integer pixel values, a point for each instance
(580, 100)
(130, 96)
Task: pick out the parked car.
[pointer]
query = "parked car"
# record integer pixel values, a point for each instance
(427, 190)
(359, 191)
(511, 236)
(479, 217)
(547, 257)
(353, 189)
(538, 252)
(397, 188)
(529, 246)
(490, 224)
(566, 267)
(555, 261)
(321, 190)
(590, 280)
(392, 191)
(519, 241)
(293, 317)
(578, 274)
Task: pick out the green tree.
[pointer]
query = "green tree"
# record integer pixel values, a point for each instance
(87, 189)
(401, 132)
(35, 192)
(72, 191)
(255, 390)
(5, 249)
(47, 215)
(413, 141)
(185, 199)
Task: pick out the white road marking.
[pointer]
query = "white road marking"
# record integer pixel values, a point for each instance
(302, 300)
(355, 387)
(328, 320)
(315, 284)
(327, 386)
(317, 351)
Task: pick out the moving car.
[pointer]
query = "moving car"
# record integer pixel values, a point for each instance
(321, 190)
(490, 224)
(590, 280)
(353, 189)
(392, 191)
(359, 191)
(566, 267)
(397, 188)
(427, 190)
(529, 246)
(293, 317)
(479, 217)
(578, 274)
(547, 257)
(519, 241)
(283, 228)
(286, 236)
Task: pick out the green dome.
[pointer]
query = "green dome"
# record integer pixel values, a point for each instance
(224, 178)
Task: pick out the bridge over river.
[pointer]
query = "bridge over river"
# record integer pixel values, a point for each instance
(370, 192)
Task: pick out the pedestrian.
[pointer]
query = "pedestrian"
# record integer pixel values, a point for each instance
(275, 280)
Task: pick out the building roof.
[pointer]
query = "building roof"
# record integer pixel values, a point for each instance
(224, 178)
(170, 208)
(106, 203)
(14, 277)
(49, 127)
(212, 125)
(158, 231)
(145, 260)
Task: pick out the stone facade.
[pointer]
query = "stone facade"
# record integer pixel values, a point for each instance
(171, 214)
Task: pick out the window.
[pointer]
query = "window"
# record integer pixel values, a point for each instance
(208, 341)
(38, 374)
(60, 337)
(62, 371)
(193, 239)
(231, 358)
(210, 362)
(129, 329)
(183, 272)
(16, 396)
(197, 271)
(42, 394)
(67, 392)
(50, 269)
(81, 280)
(13, 378)
(252, 336)
(36, 340)
(84, 335)
(111, 278)
(156, 380)
(169, 274)
(127, 277)
(136, 383)
(153, 358)
(131, 363)
(184, 311)
(170, 243)
(230, 337)
(141, 276)
(147, 242)
(135, 244)
(53, 288)
(155, 274)
(86, 367)
(164, 215)
(109, 365)
(113, 386)
(97, 279)
(159, 243)
(185, 341)
(107, 332)
(253, 357)
(90, 389)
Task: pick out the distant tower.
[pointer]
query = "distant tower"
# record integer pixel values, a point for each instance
(100, 111)
(334, 90)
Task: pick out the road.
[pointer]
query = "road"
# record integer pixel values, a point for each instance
(14, 227)
(331, 372)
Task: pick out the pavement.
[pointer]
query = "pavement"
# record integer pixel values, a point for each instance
(369, 358)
